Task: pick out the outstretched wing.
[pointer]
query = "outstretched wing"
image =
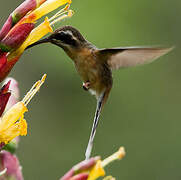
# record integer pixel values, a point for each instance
(131, 56)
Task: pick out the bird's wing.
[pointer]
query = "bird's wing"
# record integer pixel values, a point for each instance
(131, 56)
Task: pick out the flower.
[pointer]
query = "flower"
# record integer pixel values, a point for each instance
(12, 123)
(19, 30)
(11, 166)
(93, 168)
(18, 13)
(44, 27)
(13, 89)
(17, 34)
(16, 37)
(97, 171)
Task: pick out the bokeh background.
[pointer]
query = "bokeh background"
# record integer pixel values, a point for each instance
(144, 109)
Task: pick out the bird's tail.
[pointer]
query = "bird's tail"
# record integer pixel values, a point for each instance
(101, 100)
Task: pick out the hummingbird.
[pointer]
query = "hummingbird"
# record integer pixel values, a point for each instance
(95, 65)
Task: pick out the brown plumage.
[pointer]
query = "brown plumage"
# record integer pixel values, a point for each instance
(95, 65)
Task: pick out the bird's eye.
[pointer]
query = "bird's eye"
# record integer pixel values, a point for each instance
(66, 38)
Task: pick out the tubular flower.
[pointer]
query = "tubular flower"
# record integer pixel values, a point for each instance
(18, 13)
(19, 30)
(13, 99)
(93, 168)
(12, 123)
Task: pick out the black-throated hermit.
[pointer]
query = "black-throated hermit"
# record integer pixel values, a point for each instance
(95, 65)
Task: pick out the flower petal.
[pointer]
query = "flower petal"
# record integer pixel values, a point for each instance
(81, 176)
(23, 9)
(5, 87)
(86, 164)
(7, 65)
(10, 133)
(4, 97)
(16, 37)
(68, 175)
(6, 27)
(96, 172)
(23, 127)
(3, 59)
(40, 31)
(3, 101)
(82, 166)
(17, 14)
(12, 115)
(14, 92)
(48, 6)
(11, 162)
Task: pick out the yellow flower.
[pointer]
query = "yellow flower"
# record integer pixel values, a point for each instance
(98, 169)
(13, 124)
(23, 33)
(47, 7)
(45, 27)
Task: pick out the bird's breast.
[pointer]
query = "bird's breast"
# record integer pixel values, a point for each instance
(92, 70)
(87, 69)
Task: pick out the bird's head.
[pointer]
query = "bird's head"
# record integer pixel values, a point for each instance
(66, 37)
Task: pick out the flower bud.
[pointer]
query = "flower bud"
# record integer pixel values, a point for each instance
(16, 37)
(6, 27)
(19, 13)
(23, 9)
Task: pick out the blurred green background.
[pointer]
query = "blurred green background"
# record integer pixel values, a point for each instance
(144, 109)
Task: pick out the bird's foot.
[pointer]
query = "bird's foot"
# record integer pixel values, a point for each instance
(86, 86)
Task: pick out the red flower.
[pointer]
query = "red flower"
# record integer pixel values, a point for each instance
(11, 163)
(16, 37)
(18, 13)
(19, 30)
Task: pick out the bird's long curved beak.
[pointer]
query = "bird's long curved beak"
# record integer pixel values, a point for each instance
(46, 40)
